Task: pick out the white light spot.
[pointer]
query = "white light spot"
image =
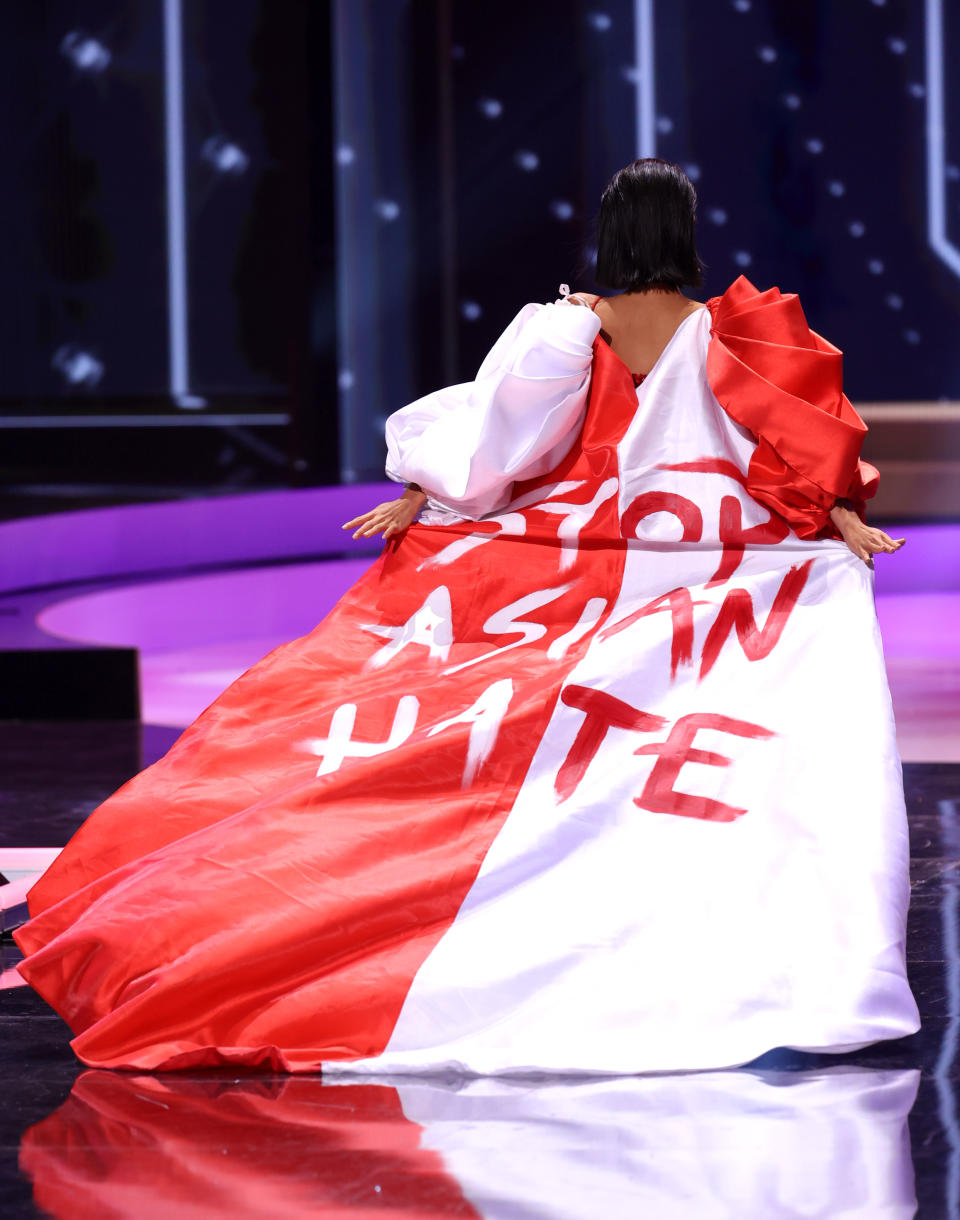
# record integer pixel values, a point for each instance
(526, 159)
(792, 101)
(915, 89)
(387, 209)
(692, 171)
(897, 45)
(77, 366)
(813, 145)
(224, 155)
(856, 228)
(767, 54)
(717, 216)
(836, 188)
(952, 172)
(742, 6)
(742, 258)
(893, 300)
(630, 73)
(912, 336)
(490, 107)
(345, 379)
(87, 54)
(664, 124)
(471, 310)
(599, 21)
(875, 266)
(561, 209)
(344, 155)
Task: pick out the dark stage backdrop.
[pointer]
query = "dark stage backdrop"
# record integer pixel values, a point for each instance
(168, 225)
(265, 225)
(474, 141)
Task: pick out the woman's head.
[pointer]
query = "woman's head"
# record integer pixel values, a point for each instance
(645, 228)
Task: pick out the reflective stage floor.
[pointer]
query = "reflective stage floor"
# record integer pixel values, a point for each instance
(874, 1134)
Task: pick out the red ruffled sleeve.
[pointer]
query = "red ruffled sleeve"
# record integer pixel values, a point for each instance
(784, 383)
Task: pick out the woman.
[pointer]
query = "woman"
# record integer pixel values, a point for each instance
(559, 785)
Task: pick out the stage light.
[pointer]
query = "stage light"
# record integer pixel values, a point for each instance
(77, 366)
(893, 300)
(875, 266)
(767, 54)
(225, 156)
(792, 101)
(599, 21)
(470, 310)
(836, 188)
(526, 159)
(490, 107)
(813, 145)
(856, 228)
(86, 53)
(345, 155)
(387, 209)
(717, 216)
(561, 209)
(742, 258)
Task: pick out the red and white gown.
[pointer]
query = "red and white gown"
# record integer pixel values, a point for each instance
(594, 771)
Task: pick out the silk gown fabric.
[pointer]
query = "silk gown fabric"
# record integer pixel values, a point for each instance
(593, 771)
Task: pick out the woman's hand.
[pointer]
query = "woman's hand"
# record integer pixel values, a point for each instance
(864, 540)
(391, 517)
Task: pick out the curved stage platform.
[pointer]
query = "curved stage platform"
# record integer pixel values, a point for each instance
(203, 588)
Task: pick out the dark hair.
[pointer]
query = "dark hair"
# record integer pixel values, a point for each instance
(645, 228)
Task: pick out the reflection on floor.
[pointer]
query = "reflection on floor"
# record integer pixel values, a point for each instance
(867, 1135)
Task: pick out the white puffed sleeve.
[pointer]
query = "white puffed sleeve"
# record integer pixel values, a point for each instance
(467, 444)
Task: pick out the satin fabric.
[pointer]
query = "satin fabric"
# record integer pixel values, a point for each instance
(516, 420)
(444, 829)
(784, 383)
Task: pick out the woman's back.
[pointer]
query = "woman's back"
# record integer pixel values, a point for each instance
(638, 326)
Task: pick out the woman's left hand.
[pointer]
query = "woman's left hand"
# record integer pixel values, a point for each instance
(391, 517)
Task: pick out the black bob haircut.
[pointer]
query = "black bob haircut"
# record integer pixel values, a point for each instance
(645, 229)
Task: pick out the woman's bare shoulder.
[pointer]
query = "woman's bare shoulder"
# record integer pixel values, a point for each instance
(587, 298)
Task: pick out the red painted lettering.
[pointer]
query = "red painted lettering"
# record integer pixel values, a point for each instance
(680, 605)
(685, 511)
(659, 794)
(736, 613)
(735, 538)
(603, 712)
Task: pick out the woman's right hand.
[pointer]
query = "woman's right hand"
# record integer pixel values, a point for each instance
(864, 540)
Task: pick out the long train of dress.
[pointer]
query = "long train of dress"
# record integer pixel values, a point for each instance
(594, 770)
